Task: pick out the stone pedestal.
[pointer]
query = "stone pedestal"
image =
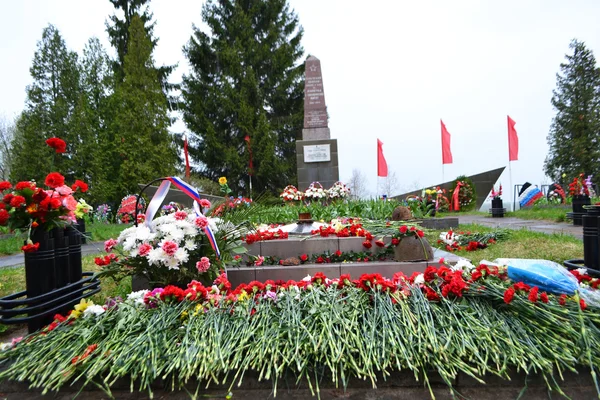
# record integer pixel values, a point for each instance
(325, 172)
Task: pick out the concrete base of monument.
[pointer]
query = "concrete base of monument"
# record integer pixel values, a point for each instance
(399, 386)
(237, 275)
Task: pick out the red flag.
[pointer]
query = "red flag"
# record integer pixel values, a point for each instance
(382, 169)
(187, 159)
(446, 152)
(250, 166)
(513, 141)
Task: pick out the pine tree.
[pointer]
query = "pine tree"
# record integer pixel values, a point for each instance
(50, 104)
(574, 137)
(142, 144)
(119, 36)
(246, 79)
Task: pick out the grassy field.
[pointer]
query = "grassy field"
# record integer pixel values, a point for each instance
(542, 212)
(98, 232)
(520, 244)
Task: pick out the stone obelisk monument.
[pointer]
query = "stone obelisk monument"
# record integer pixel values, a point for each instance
(316, 153)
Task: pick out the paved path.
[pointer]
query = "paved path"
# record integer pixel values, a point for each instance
(16, 260)
(518, 223)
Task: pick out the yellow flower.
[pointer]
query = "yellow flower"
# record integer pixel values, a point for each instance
(222, 181)
(80, 308)
(243, 296)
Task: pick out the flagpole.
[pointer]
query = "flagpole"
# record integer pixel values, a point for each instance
(512, 189)
(250, 179)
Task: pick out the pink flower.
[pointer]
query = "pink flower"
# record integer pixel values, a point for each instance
(180, 215)
(70, 203)
(64, 190)
(201, 222)
(203, 265)
(259, 261)
(144, 249)
(170, 247)
(204, 203)
(109, 245)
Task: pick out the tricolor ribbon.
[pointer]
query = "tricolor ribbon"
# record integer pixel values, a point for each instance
(160, 195)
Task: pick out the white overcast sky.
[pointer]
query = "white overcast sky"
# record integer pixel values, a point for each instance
(391, 70)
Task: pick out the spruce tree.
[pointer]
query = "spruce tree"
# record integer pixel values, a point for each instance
(574, 137)
(50, 104)
(119, 36)
(90, 122)
(141, 144)
(246, 79)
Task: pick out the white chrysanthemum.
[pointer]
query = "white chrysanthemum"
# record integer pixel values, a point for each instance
(171, 262)
(143, 233)
(419, 279)
(129, 243)
(137, 298)
(155, 256)
(190, 245)
(181, 255)
(94, 310)
(126, 233)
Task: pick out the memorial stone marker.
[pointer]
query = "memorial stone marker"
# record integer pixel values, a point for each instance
(316, 153)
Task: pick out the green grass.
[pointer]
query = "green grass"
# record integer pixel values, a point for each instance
(99, 232)
(542, 212)
(520, 244)
(12, 280)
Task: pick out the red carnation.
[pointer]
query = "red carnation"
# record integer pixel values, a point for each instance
(508, 295)
(582, 304)
(39, 195)
(57, 144)
(5, 185)
(303, 257)
(420, 234)
(338, 253)
(403, 229)
(562, 300)
(319, 278)
(380, 243)
(24, 185)
(533, 294)
(17, 201)
(79, 185)
(395, 241)
(54, 180)
(30, 248)
(544, 297)
(7, 198)
(4, 215)
(367, 244)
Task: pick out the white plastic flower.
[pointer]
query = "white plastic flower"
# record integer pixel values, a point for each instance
(137, 298)
(93, 310)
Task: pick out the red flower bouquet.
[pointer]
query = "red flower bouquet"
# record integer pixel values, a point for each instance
(579, 186)
(26, 206)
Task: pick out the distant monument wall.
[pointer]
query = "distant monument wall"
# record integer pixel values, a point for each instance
(316, 153)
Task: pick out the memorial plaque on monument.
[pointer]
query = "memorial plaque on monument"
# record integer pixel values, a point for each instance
(317, 153)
